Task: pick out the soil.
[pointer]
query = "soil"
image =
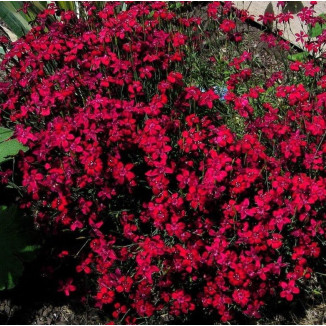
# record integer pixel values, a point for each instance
(35, 301)
(46, 314)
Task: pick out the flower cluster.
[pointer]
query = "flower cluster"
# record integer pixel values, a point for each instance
(178, 210)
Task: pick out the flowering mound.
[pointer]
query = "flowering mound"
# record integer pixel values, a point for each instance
(185, 201)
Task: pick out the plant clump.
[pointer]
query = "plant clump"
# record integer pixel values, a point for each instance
(164, 196)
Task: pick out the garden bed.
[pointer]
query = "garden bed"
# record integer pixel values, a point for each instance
(114, 149)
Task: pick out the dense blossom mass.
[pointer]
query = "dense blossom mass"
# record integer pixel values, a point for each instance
(174, 200)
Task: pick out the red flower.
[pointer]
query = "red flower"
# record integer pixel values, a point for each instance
(66, 286)
(178, 39)
(93, 166)
(182, 303)
(125, 283)
(122, 173)
(207, 98)
(227, 25)
(288, 290)
(237, 276)
(276, 241)
(60, 203)
(212, 9)
(241, 297)
(105, 296)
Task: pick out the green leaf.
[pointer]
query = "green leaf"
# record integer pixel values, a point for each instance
(13, 19)
(299, 56)
(10, 148)
(18, 21)
(5, 134)
(151, 14)
(124, 7)
(37, 6)
(316, 292)
(17, 245)
(317, 29)
(67, 5)
(27, 254)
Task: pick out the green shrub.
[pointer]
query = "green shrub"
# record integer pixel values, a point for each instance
(17, 245)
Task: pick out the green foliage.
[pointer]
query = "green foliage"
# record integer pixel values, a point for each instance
(317, 29)
(16, 20)
(15, 231)
(5, 134)
(9, 148)
(17, 245)
(313, 31)
(67, 5)
(13, 19)
(299, 56)
(175, 5)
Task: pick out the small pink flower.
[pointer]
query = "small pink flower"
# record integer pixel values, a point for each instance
(67, 286)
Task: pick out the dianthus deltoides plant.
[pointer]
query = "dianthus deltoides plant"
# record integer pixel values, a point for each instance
(175, 200)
